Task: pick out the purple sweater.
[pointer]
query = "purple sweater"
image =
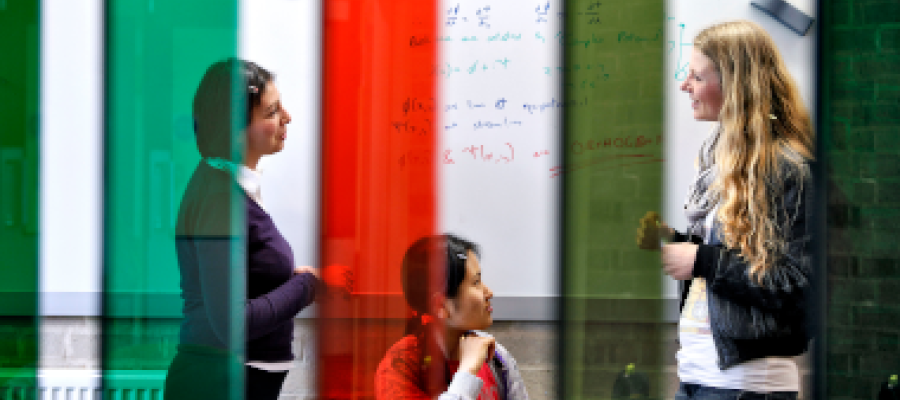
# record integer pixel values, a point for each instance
(208, 244)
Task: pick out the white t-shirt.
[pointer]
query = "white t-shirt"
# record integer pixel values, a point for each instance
(698, 359)
(249, 180)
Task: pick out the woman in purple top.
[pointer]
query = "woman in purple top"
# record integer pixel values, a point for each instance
(240, 287)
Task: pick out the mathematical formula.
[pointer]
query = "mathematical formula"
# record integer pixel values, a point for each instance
(480, 153)
(553, 104)
(455, 17)
(479, 66)
(623, 37)
(480, 16)
(423, 126)
(506, 154)
(676, 47)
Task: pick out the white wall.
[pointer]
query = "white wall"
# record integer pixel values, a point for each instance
(71, 155)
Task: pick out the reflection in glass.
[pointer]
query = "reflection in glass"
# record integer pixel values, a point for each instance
(378, 182)
(613, 306)
(19, 161)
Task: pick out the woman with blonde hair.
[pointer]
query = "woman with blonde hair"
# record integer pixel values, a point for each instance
(746, 254)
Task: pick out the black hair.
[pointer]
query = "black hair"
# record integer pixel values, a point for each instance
(216, 100)
(430, 263)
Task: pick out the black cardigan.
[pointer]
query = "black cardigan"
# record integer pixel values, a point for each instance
(752, 320)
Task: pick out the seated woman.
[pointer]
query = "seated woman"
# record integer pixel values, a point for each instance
(443, 355)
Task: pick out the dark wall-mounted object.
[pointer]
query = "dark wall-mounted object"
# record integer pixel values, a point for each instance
(785, 13)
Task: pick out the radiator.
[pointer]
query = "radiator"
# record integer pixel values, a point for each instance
(62, 384)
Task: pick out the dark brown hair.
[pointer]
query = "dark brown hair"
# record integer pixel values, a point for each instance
(434, 263)
(218, 114)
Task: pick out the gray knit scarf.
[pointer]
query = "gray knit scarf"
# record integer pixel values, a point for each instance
(699, 202)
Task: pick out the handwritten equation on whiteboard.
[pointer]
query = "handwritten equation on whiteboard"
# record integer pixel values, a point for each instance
(677, 48)
(491, 117)
(505, 153)
(677, 45)
(500, 103)
(480, 14)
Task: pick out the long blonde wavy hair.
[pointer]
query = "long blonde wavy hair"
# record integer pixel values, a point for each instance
(763, 123)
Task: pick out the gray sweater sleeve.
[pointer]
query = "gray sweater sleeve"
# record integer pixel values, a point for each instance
(464, 386)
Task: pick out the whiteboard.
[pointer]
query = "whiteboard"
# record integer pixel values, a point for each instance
(284, 37)
(684, 135)
(510, 208)
(499, 118)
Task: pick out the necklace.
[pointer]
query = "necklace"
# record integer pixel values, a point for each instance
(221, 164)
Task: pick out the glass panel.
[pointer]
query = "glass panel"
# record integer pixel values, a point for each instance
(858, 124)
(157, 52)
(19, 150)
(612, 313)
(379, 177)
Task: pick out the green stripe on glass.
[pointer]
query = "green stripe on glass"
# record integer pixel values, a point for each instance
(19, 160)
(612, 312)
(156, 54)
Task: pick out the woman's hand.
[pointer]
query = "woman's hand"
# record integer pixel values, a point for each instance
(307, 269)
(474, 350)
(338, 278)
(678, 260)
(334, 279)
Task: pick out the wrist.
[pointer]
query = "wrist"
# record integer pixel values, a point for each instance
(667, 233)
(470, 367)
(705, 261)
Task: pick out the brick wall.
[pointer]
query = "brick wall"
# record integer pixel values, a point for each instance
(861, 116)
(74, 343)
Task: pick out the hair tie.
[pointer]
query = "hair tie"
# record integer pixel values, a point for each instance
(424, 318)
(461, 256)
(253, 89)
